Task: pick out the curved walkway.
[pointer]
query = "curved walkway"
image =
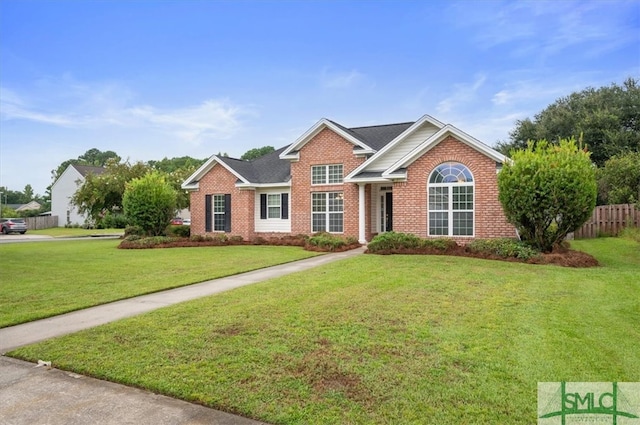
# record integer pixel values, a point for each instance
(30, 394)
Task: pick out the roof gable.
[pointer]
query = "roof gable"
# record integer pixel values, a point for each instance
(442, 134)
(409, 129)
(291, 152)
(267, 169)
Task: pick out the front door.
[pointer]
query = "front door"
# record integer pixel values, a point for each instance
(386, 210)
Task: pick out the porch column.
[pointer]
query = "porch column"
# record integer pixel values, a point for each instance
(361, 214)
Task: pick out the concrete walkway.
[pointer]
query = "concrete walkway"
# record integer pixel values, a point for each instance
(42, 395)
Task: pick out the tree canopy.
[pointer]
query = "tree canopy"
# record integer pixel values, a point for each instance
(93, 156)
(606, 119)
(103, 193)
(255, 153)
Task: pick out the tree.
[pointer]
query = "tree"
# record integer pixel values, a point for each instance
(255, 153)
(93, 157)
(149, 202)
(619, 181)
(28, 193)
(548, 191)
(103, 193)
(606, 119)
(177, 170)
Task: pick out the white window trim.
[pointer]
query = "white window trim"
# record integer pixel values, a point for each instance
(450, 209)
(326, 182)
(278, 206)
(327, 212)
(215, 213)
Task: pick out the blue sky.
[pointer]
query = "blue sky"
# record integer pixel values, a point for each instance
(154, 79)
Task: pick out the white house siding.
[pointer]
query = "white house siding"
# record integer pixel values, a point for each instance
(61, 193)
(404, 147)
(274, 225)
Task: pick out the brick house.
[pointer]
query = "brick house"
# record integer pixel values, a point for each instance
(422, 177)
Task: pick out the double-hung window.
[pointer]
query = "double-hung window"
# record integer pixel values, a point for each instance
(327, 212)
(326, 174)
(451, 204)
(218, 213)
(274, 206)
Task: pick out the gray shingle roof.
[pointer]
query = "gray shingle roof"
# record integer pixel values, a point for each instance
(271, 169)
(266, 169)
(88, 169)
(378, 136)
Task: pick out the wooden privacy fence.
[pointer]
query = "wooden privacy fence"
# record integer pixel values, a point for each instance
(609, 220)
(41, 222)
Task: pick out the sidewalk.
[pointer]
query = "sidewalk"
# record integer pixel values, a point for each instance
(41, 395)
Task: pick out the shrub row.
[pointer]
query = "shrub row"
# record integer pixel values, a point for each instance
(322, 242)
(404, 243)
(503, 247)
(390, 242)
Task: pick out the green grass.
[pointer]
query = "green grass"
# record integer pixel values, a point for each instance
(42, 279)
(381, 339)
(64, 232)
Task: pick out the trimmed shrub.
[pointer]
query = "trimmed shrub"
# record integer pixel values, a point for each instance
(329, 242)
(149, 202)
(179, 231)
(113, 221)
(548, 191)
(393, 241)
(439, 244)
(503, 247)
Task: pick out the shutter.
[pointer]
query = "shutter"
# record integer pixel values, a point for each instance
(208, 205)
(263, 206)
(284, 206)
(227, 212)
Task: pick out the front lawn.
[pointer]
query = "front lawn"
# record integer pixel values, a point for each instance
(43, 279)
(381, 339)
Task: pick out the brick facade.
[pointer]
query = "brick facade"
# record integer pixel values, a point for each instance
(410, 206)
(220, 181)
(326, 148)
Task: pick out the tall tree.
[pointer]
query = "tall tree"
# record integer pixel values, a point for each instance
(93, 156)
(255, 153)
(103, 193)
(28, 194)
(606, 119)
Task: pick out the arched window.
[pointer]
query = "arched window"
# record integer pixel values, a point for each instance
(451, 190)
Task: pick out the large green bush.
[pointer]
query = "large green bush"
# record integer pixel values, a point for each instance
(620, 179)
(149, 202)
(548, 191)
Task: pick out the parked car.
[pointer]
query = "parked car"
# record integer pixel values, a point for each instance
(177, 221)
(13, 225)
(186, 222)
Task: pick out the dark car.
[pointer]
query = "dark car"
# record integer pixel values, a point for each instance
(13, 225)
(176, 221)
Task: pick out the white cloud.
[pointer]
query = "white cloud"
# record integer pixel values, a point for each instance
(69, 104)
(341, 80)
(462, 93)
(546, 28)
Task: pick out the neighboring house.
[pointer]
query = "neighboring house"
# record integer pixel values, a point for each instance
(33, 205)
(63, 190)
(422, 177)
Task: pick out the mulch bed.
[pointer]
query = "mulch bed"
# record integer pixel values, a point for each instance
(560, 256)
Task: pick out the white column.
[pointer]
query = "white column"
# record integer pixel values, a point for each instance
(361, 214)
